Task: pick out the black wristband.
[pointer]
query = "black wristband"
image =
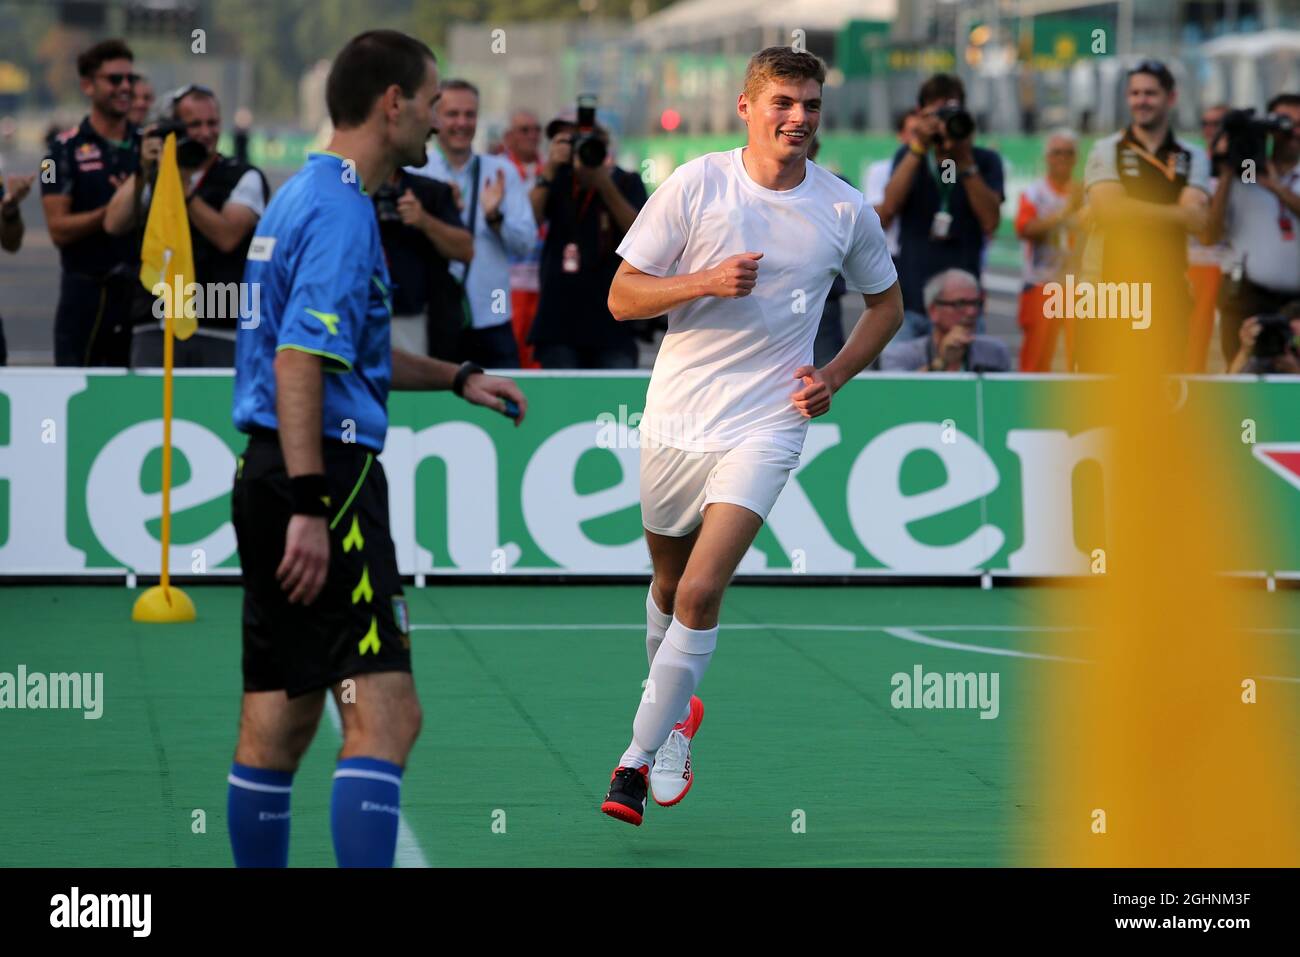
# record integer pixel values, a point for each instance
(310, 495)
(466, 370)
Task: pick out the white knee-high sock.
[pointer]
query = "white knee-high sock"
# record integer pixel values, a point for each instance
(656, 624)
(674, 676)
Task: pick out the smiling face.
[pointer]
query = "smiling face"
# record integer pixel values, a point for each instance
(1148, 102)
(783, 118)
(110, 87)
(457, 120)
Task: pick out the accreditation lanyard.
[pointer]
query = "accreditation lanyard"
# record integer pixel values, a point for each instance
(1285, 221)
(945, 189)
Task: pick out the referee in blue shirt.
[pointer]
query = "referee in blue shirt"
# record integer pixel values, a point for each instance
(323, 607)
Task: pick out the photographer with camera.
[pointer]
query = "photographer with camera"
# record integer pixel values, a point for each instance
(1269, 344)
(86, 164)
(1256, 209)
(421, 232)
(588, 205)
(224, 199)
(946, 194)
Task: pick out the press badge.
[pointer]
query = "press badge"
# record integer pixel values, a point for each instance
(941, 225)
(570, 257)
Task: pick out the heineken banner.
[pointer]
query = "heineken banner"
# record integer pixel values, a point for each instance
(906, 475)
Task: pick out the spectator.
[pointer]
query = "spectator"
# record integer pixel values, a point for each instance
(12, 192)
(1269, 345)
(1206, 263)
(954, 301)
(1261, 222)
(92, 324)
(225, 199)
(142, 97)
(878, 174)
(587, 210)
(1146, 191)
(946, 194)
(1048, 221)
(830, 328)
(421, 231)
(521, 142)
(499, 218)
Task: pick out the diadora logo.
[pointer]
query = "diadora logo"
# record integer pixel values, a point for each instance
(1282, 457)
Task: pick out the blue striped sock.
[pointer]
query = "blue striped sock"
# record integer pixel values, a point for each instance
(257, 813)
(364, 808)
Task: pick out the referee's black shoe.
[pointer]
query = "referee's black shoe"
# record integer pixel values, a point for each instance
(627, 793)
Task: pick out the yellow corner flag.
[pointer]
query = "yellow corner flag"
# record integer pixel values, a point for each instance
(167, 257)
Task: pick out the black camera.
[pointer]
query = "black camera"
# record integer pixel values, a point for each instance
(189, 153)
(958, 124)
(1274, 336)
(386, 204)
(589, 147)
(1248, 135)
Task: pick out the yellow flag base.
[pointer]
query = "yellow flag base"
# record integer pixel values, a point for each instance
(152, 606)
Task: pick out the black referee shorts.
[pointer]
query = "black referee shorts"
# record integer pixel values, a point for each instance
(358, 623)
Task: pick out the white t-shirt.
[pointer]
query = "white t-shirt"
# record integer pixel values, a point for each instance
(725, 370)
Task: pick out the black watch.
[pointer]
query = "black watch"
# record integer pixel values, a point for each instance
(542, 181)
(466, 370)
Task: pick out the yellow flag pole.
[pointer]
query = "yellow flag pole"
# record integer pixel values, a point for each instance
(168, 347)
(164, 603)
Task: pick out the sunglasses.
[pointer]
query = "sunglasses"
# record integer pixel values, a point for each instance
(117, 79)
(1154, 68)
(961, 303)
(177, 95)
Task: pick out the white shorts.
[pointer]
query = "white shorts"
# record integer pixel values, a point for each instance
(676, 486)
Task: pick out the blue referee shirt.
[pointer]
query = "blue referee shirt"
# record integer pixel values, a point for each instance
(317, 259)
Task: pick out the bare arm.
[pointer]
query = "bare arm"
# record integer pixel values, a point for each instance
(899, 186)
(638, 295)
(119, 214)
(414, 373)
(67, 227)
(1216, 218)
(225, 229)
(299, 393)
(875, 328)
(623, 212)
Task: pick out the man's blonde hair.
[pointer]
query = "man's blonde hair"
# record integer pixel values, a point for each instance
(781, 63)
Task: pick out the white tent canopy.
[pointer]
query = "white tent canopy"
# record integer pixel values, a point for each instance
(708, 19)
(1253, 44)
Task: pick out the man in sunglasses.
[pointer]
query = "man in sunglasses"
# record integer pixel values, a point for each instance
(85, 166)
(224, 198)
(953, 302)
(1147, 191)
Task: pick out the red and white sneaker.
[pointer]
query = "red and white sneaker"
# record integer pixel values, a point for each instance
(671, 777)
(626, 797)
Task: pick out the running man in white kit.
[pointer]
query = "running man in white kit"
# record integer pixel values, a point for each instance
(740, 249)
